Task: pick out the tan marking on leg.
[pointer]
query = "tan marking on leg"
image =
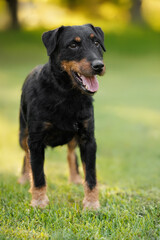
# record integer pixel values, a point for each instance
(39, 197)
(24, 140)
(72, 144)
(91, 198)
(84, 169)
(26, 168)
(71, 157)
(26, 173)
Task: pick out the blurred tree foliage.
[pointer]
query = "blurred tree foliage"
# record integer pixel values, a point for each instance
(91, 7)
(13, 10)
(136, 13)
(107, 11)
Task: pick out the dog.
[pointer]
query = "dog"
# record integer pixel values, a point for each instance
(57, 108)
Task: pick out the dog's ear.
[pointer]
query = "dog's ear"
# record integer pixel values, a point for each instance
(100, 35)
(50, 39)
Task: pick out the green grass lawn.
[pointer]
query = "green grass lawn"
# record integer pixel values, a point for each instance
(127, 113)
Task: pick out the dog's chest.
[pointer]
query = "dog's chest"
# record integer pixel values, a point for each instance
(70, 113)
(67, 121)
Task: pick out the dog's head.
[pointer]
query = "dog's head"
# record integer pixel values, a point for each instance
(79, 52)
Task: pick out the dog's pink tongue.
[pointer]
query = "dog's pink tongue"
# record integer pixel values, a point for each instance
(91, 83)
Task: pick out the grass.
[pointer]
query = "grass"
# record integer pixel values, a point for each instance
(127, 113)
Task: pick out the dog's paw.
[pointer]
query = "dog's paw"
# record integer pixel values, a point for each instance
(23, 179)
(42, 202)
(76, 179)
(94, 205)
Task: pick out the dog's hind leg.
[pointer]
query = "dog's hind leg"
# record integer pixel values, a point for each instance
(73, 163)
(23, 136)
(25, 171)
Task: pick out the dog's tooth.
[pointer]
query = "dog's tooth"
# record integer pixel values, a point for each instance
(79, 74)
(86, 87)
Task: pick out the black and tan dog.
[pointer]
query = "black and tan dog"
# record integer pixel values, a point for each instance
(56, 108)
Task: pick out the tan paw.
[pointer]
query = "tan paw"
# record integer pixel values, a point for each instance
(23, 179)
(42, 202)
(94, 205)
(76, 179)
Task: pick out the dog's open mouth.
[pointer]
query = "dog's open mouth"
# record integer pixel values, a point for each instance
(89, 84)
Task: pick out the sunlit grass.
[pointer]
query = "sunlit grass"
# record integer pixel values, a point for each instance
(147, 117)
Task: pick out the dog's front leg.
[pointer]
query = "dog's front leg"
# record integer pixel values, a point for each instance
(88, 155)
(38, 184)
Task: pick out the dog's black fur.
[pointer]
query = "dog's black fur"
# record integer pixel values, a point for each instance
(55, 106)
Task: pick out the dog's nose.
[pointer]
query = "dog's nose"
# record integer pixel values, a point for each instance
(97, 66)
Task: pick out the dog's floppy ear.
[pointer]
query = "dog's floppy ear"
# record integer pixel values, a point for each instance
(100, 35)
(50, 39)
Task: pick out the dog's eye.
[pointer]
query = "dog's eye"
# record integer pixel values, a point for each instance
(96, 43)
(73, 45)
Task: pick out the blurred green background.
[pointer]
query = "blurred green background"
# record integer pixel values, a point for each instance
(127, 105)
(128, 102)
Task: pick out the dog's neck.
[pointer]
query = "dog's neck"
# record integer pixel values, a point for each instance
(60, 78)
